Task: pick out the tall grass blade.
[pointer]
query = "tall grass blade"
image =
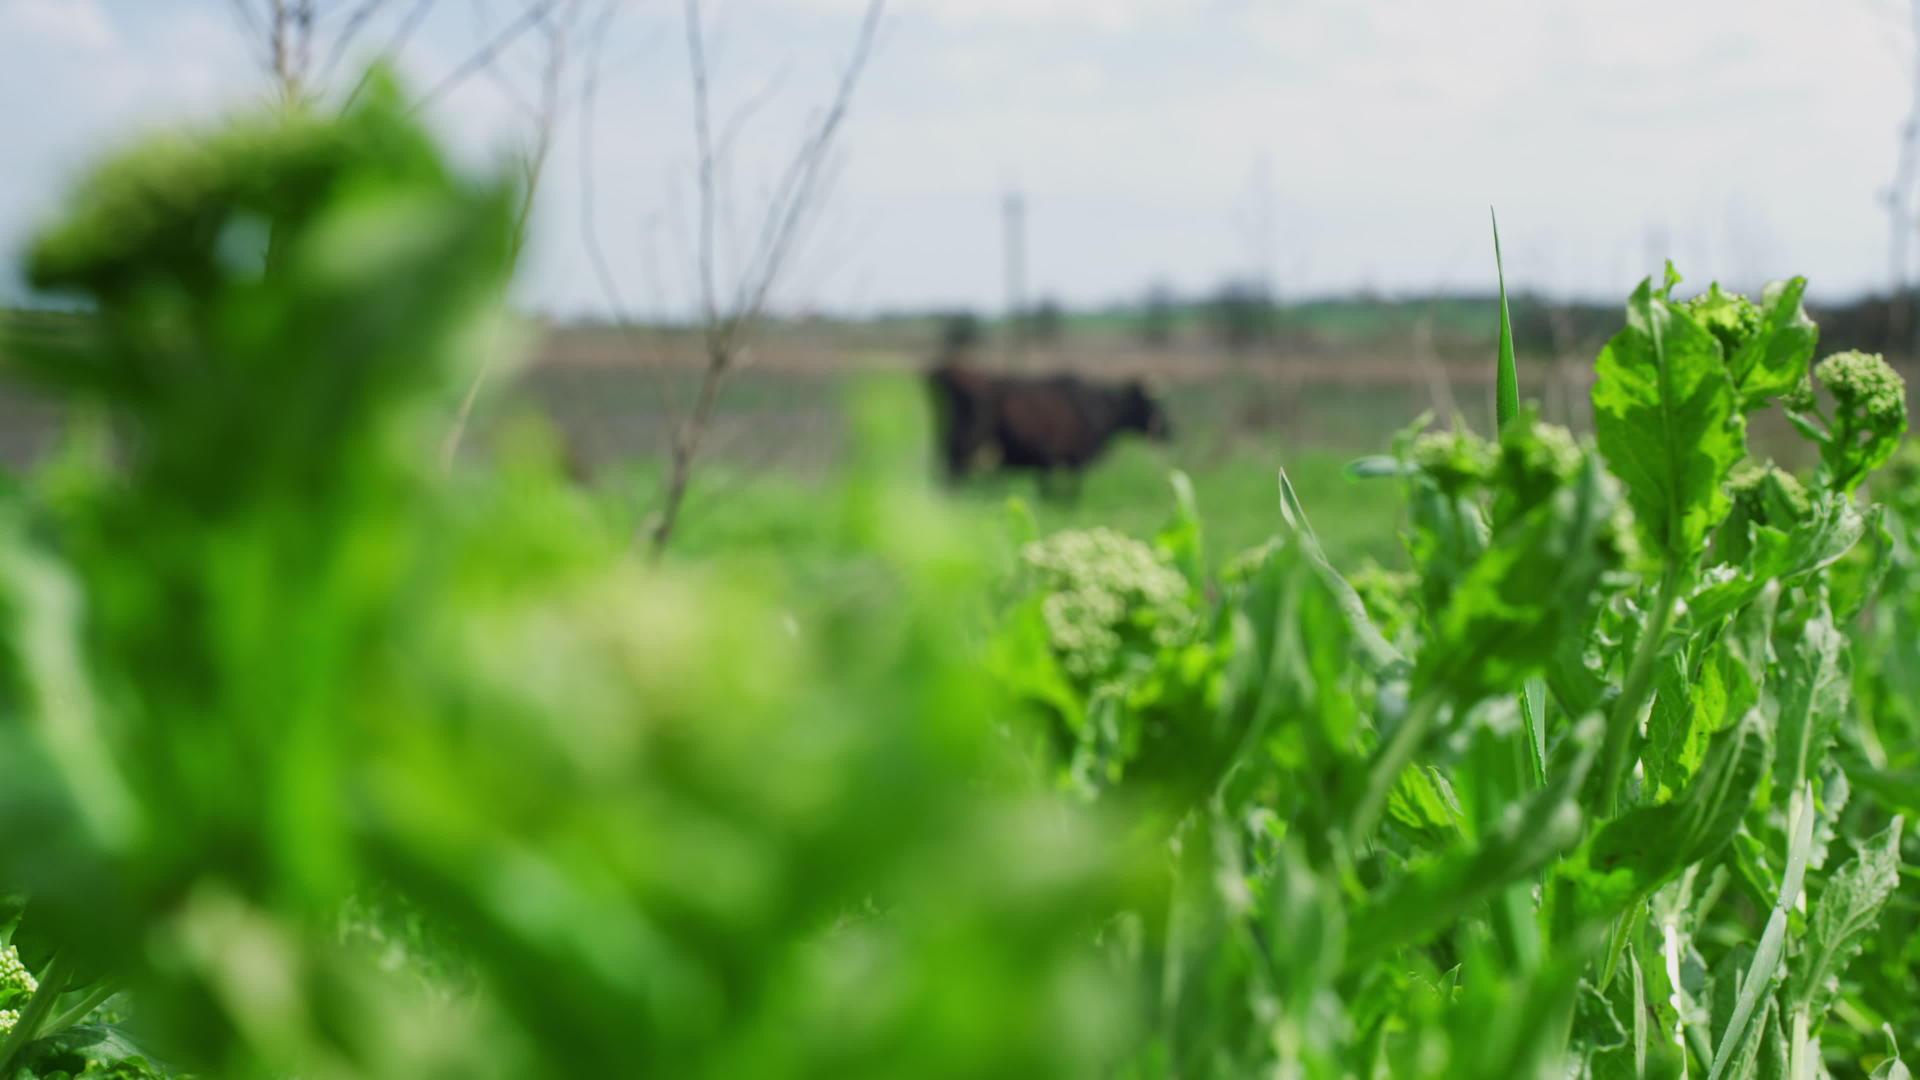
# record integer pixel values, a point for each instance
(1506, 402)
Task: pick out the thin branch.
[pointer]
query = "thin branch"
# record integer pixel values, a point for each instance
(723, 158)
(535, 165)
(417, 15)
(589, 219)
(703, 144)
(792, 198)
(533, 16)
(356, 21)
(254, 31)
(797, 194)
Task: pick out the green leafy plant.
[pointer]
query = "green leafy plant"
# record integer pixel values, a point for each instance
(1594, 802)
(320, 762)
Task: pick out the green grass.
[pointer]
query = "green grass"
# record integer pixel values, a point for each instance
(733, 508)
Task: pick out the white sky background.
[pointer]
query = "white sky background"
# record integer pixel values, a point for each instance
(1755, 135)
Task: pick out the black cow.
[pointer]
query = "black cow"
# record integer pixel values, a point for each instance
(1042, 423)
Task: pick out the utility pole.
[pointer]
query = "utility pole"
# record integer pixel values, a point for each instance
(1014, 214)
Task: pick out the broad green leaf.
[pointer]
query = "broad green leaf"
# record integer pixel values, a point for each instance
(1640, 850)
(1424, 804)
(1668, 422)
(1832, 530)
(1689, 710)
(1437, 891)
(1844, 915)
(1856, 581)
(1812, 691)
(1774, 361)
(1536, 585)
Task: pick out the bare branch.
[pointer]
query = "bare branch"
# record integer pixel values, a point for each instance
(589, 219)
(531, 17)
(404, 33)
(796, 194)
(704, 164)
(793, 197)
(250, 23)
(545, 119)
(356, 21)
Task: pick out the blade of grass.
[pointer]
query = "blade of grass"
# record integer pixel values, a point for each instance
(1506, 401)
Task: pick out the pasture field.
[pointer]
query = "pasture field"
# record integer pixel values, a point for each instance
(325, 754)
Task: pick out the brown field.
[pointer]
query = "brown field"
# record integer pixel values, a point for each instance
(613, 395)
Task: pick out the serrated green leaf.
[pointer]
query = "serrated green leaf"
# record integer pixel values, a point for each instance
(1689, 710)
(1846, 911)
(1812, 691)
(1667, 420)
(1424, 804)
(1825, 537)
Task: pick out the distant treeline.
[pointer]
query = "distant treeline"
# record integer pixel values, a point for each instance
(1240, 318)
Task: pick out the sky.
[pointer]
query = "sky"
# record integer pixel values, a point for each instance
(1329, 146)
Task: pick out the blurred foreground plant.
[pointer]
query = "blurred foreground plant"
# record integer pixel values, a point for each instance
(340, 768)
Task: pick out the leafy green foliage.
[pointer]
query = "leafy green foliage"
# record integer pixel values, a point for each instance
(1869, 415)
(324, 763)
(1667, 420)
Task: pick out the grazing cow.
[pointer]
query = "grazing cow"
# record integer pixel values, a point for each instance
(1042, 423)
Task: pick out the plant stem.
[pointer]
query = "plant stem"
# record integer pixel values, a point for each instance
(53, 983)
(1639, 685)
(1798, 1065)
(78, 1010)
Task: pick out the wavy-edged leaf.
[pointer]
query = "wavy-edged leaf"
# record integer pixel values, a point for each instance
(1643, 848)
(1435, 892)
(1812, 692)
(1667, 419)
(1774, 361)
(1688, 711)
(1832, 530)
(1847, 910)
